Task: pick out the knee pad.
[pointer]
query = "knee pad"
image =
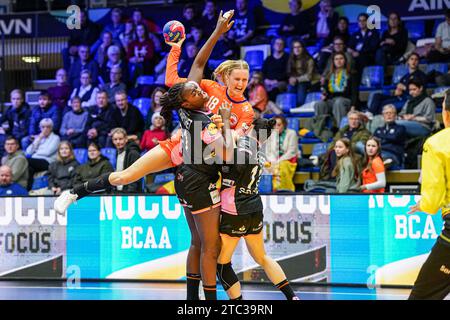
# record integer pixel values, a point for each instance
(226, 275)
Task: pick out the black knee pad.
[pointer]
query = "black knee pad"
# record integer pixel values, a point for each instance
(226, 275)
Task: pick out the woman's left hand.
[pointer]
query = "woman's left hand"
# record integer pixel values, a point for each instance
(224, 24)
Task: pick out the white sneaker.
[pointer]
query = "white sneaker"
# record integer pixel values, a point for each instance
(63, 202)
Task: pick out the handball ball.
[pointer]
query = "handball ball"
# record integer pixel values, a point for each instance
(173, 31)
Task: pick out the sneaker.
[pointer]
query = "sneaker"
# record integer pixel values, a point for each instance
(65, 199)
(295, 298)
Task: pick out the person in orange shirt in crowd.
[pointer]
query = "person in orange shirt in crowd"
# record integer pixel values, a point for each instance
(373, 175)
(257, 94)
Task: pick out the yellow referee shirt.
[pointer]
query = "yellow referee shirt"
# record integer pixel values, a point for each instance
(435, 189)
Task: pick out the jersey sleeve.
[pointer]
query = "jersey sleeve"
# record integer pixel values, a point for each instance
(378, 166)
(433, 181)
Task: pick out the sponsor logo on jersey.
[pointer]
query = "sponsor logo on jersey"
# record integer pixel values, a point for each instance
(212, 186)
(233, 120)
(228, 182)
(445, 270)
(215, 196)
(212, 129)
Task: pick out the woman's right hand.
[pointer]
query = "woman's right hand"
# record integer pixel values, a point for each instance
(179, 43)
(225, 111)
(224, 24)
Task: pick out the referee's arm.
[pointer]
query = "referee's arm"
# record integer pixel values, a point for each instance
(433, 189)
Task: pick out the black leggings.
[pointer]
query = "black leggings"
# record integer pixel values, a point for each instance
(35, 165)
(433, 281)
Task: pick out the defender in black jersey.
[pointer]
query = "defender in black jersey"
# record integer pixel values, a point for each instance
(242, 212)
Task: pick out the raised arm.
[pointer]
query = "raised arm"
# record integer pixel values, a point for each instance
(223, 25)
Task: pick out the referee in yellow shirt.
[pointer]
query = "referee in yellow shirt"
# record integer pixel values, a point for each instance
(433, 281)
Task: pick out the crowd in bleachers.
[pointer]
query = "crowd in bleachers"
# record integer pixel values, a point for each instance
(103, 111)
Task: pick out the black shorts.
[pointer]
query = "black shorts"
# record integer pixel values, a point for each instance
(241, 225)
(195, 190)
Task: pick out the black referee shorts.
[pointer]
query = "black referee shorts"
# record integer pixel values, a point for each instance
(241, 225)
(433, 281)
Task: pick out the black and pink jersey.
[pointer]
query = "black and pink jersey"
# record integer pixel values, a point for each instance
(239, 194)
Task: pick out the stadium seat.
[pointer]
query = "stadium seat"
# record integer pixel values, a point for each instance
(372, 78)
(143, 104)
(440, 67)
(313, 96)
(319, 149)
(399, 71)
(255, 59)
(265, 183)
(145, 80)
(163, 178)
(286, 101)
(81, 155)
(344, 122)
(110, 153)
(440, 89)
(416, 29)
(293, 123)
(40, 182)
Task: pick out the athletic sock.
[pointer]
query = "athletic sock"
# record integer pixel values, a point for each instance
(192, 283)
(93, 185)
(210, 292)
(285, 287)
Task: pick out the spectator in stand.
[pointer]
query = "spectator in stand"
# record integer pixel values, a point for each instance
(346, 170)
(189, 18)
(7, 186)
(244, 26)
(225, 49)
(115, 59)
(441, 51)
(443, 80)
(62, 171)
(115, 84)
(355, 132)
(83, 63)
(99, 50)
(96, 166)
(325, 61)
(282, 152)
(364, 44)
(60, 94)
(73, 127)
(196, 37)
(297, 23)
(45, 109)
(209, 17)
(155, 106)
(86, 91)
(184, 67)
(100, 120)
(116, 26)
(156, 133)
(141, 53)
(392, 137)
(127, 153)
(393, 42)
(419, 112)
(301, 71)
(160, 70)
(274, 69)
(152, 28)
(128, 35)
(401, 92)
(257, 94)
(87, 35)
(339, 90)
(16, 160)
(128, 117)
(373, 175)
(341, 30)
(326, 22)
(16, 120)
(43, 150)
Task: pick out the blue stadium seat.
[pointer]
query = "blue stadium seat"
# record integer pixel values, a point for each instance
(313, 96)
(416, 29)
(163, 178)
(265, 183)
(145, 80)
(110, 153)
(440, 89)
(372, 78)
(143, 104)
(319, 149)
(440, 67)
(286, 101)
(399, 71)
(81, 154)
(313, 50)
(293, 123)
(344, 122)
(255, 59)
(40, 182)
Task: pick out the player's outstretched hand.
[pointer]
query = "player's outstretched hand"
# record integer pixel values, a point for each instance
(224, 24)
(179, 43)
(415, 208)
(225, 111)
(217, 119)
